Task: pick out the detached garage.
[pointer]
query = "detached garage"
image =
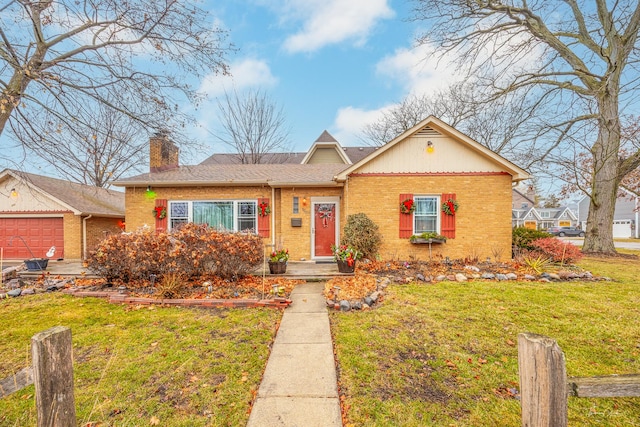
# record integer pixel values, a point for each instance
(38, 212)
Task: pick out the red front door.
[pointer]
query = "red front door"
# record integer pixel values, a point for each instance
(324, 224)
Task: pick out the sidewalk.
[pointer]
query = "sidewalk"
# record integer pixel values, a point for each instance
(299, 386)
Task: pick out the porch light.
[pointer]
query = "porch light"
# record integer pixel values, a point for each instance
(430, 147)
(14, 194)
(304, 201)
(150, 194)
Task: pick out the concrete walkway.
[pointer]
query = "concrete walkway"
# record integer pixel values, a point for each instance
(299, 386)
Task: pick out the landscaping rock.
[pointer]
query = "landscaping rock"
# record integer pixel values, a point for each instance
(368, 301)
(357, 305)
(374, 296)
(460, 277)
(14, 292)
(489, 276)
(472, 268)
(15, 283)
(441, 278)
(512, 276)
(554, 276)
(420, 277)
(501, 277)
(28, 291)
(345, 305)
(529, 277)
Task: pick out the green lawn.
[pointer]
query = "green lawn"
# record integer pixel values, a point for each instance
(142, 366)
(445, 354)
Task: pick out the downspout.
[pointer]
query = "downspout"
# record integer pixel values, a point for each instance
(273, 219)
(84, 236)
(636, 225)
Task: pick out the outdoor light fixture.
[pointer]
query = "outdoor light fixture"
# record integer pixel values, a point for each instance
(430, 147)
(304, 201)
(14, 194)
(150, 194)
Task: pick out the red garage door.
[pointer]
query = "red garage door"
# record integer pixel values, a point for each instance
(38, 233)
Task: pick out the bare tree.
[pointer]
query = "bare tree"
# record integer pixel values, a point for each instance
(132, 57)
(252, 125)
(580, 57)
(100, 148)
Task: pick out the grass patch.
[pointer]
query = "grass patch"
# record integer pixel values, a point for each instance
(140, 366)
(446, 353)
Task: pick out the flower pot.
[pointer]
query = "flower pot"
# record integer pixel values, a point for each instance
(36, 264)
(344, 267)
(277, 267)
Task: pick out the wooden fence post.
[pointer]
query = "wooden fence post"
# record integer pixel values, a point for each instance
(51, 352)
(543, 382)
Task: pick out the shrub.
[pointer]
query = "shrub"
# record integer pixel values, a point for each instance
(192, 250)
(557, 250)
(362, 234)
(522, 237)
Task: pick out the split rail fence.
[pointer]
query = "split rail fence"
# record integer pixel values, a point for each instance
(545, 387)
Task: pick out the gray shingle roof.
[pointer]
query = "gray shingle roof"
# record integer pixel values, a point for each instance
(355, 154)
(239, 174)
(87, 199)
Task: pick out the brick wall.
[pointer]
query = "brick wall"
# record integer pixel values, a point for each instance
(72, 236)
(483, 221)
(99, 228)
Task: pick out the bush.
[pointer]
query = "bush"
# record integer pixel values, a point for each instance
(192, 250)
(522, 237)
(362, 234)
(557, 250)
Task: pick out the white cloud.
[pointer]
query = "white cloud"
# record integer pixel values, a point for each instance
(333, 21)
(247, 72)
(350, 121)
(418, 69)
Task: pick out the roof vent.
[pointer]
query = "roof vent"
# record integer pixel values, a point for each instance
(427, 131)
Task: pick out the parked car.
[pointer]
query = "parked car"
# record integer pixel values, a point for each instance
(565, 231)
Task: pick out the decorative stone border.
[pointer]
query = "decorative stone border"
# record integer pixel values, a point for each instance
(117, 298)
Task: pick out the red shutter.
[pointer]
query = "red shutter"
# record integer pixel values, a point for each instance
(161, 224)
(264, 221)
(447, 222)
(406, 220)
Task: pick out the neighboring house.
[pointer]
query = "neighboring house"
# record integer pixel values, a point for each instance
(303, 206)
(38, 212)
(523, 200)
(561, 216)
(528, 218)
(625, 217)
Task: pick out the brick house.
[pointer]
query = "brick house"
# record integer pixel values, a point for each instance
(38, 212)
(303, 205)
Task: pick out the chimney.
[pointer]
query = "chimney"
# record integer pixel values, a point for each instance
(163, 154)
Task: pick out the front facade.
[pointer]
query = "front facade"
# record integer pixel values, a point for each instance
(303, 206)
(40, 212)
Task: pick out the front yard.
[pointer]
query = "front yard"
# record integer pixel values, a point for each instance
(142, 366)
(445, 354)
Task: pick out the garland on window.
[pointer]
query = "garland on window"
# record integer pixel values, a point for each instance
(264, 209)
(407, 206)
(450, 207)
(160, 212)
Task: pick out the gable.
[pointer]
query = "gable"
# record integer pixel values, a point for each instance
(28, 198)
(433, 147)
(325, 155)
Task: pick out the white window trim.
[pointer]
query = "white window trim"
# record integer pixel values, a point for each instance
(235, 210)
(438, 216)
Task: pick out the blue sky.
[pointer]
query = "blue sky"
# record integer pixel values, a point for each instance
(331, 64)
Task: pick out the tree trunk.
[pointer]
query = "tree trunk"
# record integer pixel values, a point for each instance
(605, 180)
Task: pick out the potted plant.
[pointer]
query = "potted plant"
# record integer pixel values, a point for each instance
(427, 237)
(345, 257)
(278, 261)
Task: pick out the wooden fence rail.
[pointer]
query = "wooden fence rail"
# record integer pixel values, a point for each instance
(52, 374)
(544, 386)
